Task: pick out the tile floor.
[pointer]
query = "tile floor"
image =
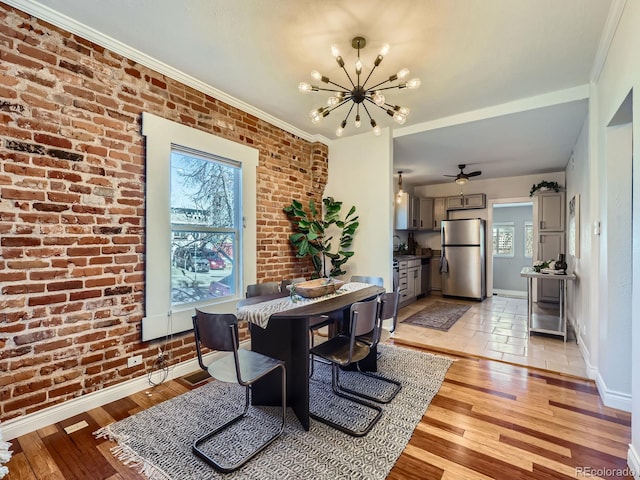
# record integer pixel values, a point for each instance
(495, 328)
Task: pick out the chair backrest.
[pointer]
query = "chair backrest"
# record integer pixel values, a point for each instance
(215, 331)
(290, 281)
(265, 288)
(364, 317)
(379, 281)
(389, 303)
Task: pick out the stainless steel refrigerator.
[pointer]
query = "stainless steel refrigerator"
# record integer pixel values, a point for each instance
(463, 258)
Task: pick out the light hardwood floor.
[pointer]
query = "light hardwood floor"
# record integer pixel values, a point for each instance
(490, 420)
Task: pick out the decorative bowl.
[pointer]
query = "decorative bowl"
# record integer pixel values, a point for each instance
(317, 287)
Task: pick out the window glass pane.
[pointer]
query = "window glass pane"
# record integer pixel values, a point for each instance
(503, 240)
(204, 235)
(528, 240)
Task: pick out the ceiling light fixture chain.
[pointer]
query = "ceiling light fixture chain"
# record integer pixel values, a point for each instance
(359, 94)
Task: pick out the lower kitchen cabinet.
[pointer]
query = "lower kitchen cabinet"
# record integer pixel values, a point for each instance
(409, 280)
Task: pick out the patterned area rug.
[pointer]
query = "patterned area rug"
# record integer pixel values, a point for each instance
(157, 441)
(438, 315)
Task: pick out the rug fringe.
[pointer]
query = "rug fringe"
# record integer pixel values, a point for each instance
(129, 457)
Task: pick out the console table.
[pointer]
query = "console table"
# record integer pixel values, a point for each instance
(543, 323)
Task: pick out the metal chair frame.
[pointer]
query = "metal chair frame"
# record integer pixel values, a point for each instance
(334, 349)
(388, 307)
(230, 344)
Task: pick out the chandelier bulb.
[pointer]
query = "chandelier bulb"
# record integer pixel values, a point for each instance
(399, 118)
(332, 101)
(378, 98)
(413, 83)
(402, 74)
(305, 87)
(316, 75)
(340, 129)
(376, 128)
(358, 66)
(357, 123)
(335, 51)
(384, 50)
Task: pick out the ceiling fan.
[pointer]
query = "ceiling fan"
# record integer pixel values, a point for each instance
(462, 177)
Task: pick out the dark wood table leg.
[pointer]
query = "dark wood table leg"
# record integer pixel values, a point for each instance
(287, 340)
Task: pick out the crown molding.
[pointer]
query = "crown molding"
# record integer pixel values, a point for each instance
(610, 27)
(69, 24)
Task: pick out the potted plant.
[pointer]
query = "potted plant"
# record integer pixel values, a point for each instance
(313, 235)
(544, 185)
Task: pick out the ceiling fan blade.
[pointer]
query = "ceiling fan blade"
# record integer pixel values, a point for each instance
(450, 176)
(474, 174)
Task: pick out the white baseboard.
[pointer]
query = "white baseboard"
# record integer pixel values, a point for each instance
(633, 460)
(592, 371)
(612, 398)
(22, 425)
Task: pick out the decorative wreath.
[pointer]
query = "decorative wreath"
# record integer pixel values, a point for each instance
(544, 184)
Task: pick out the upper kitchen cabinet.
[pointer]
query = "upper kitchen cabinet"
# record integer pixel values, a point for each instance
(439, 212)
(461, 202)
(551, 212)
(407, 212)
(426, 214)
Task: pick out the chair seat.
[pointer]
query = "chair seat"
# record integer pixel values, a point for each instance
(368, 337)
(319, 321)
(252, 366)
(336, 350)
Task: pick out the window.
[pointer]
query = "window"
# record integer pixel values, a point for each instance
(528, 239)
(503, 245)
(205, 214)
(200, 213)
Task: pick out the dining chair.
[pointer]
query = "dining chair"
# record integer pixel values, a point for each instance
(343, 350)
(387, 309)
(289, 281)
(379, 281)
(219, 332)
(257, 289)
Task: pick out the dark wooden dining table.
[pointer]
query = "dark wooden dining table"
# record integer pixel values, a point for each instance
(286, 337)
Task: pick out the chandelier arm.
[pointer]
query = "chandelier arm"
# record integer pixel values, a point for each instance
(378, 84)
(367, 110)
(329, 110)
(349, 112)
(348, 76)
(384, 88)
(338, 85)
(367, 79)
(344, 90)
(374, 103)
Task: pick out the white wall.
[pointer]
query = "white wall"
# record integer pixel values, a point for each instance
(579, 298)
(620, 74)
(360, 174)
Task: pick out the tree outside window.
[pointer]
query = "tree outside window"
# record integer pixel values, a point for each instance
(205, 223)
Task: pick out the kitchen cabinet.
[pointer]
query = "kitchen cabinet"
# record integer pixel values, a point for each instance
(409, 280)
(407, 212)
(551, 238)
(426, 213)
(462, 202)
(551, 212)
(439, 212)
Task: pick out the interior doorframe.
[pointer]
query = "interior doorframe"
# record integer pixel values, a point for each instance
(489, 233)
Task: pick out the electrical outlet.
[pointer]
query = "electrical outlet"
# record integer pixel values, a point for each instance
(135, 360)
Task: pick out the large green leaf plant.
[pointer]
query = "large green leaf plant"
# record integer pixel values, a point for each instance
(314, 232)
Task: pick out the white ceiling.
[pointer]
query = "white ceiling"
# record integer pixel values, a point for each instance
(503, 81)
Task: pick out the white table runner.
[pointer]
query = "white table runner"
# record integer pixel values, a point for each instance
(259, 313)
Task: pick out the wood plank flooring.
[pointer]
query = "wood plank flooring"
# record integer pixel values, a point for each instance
(490, 420)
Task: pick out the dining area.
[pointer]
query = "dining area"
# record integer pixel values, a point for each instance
(306, 337)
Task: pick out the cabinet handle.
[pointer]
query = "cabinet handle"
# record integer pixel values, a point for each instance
(420, 223)
(542, 224)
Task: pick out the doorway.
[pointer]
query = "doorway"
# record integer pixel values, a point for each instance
(509, 246)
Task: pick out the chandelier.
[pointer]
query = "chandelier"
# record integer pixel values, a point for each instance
(359, 94)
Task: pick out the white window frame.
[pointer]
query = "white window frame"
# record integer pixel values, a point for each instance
(513, 246)
(160, 320)
(528, 224)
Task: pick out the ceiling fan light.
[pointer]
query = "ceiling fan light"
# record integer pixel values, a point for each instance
(462, 180)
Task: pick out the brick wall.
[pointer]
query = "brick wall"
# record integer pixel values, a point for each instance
(72, 208)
